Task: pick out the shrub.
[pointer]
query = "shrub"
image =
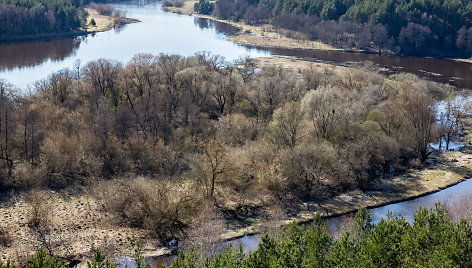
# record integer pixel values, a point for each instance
(27, 176)
(204, 7)
(103, 9)
(5, 239)
(150, 204)
(172, 3)
(237, 129)
(39, 213)
(66, 159)
(205, 232)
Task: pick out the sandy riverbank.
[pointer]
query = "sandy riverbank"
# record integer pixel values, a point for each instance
(264, 35)
(103, 22)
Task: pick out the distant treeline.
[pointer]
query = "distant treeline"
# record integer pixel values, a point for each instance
(408, 26)
(29, 17)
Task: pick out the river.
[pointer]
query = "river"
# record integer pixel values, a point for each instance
(161, 32)
(158, 32)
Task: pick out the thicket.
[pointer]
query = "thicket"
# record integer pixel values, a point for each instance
(241, 136)
(26, 17)
(414, 27)
(204, 7)
(172, 3)
(103, 9)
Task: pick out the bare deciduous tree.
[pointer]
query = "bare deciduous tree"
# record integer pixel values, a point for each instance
(420, 114)
(323, 108)
(284, 129)
(211, 166)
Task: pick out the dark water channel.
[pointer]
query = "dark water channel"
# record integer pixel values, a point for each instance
(440, 70)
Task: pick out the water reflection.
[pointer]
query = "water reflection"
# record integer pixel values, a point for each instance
(220, 27)
(158, 32)
(29, 54)
(162, 32)
(202, 23)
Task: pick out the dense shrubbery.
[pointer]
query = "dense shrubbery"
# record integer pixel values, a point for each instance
(169, 116)
(103, 9)
(416, 27)
(172, 3)
(154, 205)
(35, 17)
(241, 137)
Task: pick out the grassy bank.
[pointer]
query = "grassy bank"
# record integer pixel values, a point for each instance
(75, 225)
(264, 35)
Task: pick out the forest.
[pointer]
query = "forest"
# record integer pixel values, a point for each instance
(169, 143)
(412, 27)
(30, 17)
(173, 116)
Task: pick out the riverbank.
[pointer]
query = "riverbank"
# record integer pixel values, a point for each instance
(74, 237)
(270, 37)
(263, 36)
(104, 23)
(450, 169)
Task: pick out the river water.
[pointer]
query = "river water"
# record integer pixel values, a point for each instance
(161, 32)
(158, 32)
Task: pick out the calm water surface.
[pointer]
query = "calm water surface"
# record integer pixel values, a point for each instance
(450, 195)
(161, 32)
(158, 32)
